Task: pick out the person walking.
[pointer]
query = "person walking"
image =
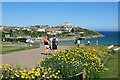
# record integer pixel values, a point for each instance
(96, 43)
(50, 45)
(78, 42)
(46, 43)
(54, 43)
(89, 43)
(75, 41)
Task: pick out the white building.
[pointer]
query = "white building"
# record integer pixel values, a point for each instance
(28, 29)
(68, 29)
(17, 28)
(81, 32)
(51, 33)
(59, 32)
(1, 28)
(24, 28)
(23, 36)
(67, 25)
(41, 30)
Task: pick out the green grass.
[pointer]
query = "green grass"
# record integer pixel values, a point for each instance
(6, 43)
(9, 49)
(101, 47)
(112, 65)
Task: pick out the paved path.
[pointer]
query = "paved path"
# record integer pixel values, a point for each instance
(27, 58)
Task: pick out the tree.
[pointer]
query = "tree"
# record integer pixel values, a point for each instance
(72, 30)
(38, 26)
(81, 35)
(3, 34)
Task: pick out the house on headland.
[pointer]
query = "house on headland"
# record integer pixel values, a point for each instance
(67, 24)
(41, 30)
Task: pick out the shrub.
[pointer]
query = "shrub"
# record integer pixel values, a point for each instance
(8, 39)
(12, 39)
(21, 39)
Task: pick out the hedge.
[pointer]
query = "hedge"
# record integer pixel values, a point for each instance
(13, 40)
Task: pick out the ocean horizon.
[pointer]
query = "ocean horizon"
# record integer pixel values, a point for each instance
(111, 38)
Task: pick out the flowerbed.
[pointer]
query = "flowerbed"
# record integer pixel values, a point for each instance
(62, 64)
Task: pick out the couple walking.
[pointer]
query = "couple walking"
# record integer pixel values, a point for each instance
(50, 43)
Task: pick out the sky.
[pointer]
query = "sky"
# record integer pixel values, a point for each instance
(60, 0)
(97, 16)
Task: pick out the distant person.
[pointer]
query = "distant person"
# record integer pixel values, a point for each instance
(3, 40)
(54, 43)
(75, 41)
(78, 42)
(46, 43)
(88, 43)
(96, 43)
(50, 45)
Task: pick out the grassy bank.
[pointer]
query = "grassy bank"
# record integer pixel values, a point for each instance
(10, 49)
(112, 66)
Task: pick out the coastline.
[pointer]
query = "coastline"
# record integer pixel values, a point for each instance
(87, 37)
(66, 39)
(95, 36)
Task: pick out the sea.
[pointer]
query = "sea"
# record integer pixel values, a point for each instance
(111, 38)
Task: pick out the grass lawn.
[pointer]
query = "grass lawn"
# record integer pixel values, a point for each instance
(6, 43)
(9, 49)
(112, 65)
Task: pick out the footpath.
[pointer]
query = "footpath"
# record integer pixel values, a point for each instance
(28, 58)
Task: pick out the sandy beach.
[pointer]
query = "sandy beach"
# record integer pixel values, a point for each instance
(28, 58)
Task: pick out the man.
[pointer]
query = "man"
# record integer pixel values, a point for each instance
(54, 43)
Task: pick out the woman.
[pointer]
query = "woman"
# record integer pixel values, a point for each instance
(46, 43)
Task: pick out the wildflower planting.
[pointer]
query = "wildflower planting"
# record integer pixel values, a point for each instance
(62, 64)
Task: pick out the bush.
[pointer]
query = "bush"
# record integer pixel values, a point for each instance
(13, 40)
(7, 39)
(21, 39)
(73, 61)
